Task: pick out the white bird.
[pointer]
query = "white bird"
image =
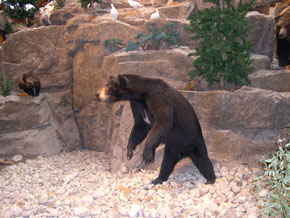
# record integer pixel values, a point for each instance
(155, 15)
(114, 12)
(134, 4)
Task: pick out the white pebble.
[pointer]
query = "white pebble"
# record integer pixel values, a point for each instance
(135, 210)
(17, 211)
(17, 158)
(43, 199)
(263, 193)
(81, 211)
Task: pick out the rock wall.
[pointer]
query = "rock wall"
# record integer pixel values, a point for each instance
(44, 125)
(72, 63)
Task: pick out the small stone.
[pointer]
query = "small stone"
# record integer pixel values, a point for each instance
(17, 211)
(81, 211)
(263, 193)
(122, 210)
(135, 210)
(17, 158)
(88, 199)
(242, 198)
(154, 213)
(240, 209)
(124, 168)
(43, 199)
(224, 171)
(235, 188)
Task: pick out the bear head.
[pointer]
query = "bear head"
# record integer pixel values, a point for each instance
(30, 80)
(282, 23)
(117, 89)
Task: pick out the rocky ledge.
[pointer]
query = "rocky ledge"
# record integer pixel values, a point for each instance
(80, 184)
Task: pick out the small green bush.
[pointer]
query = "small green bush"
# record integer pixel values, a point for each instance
(6, 84)
(276, 179)
(111, 43)
(132, 46)
(59, 4)
(156, 36)
(223, 52)
(88, 3)
(21, 11)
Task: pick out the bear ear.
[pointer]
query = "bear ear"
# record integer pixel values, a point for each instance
(123, 81)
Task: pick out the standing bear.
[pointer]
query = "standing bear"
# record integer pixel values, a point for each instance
(161, 115)
(282, 32)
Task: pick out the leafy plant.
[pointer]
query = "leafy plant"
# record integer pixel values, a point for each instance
(89, 3)
(22, 10)
(132, 46)
(59, 4)
(6, 84)
(156, 36)
(224, 52)
(111, 43)
(276, 179)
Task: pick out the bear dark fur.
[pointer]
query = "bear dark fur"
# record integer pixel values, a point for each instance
(30, 84)
(163, 115)
(282, 32)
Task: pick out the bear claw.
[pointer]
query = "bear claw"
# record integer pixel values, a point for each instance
(129, 155)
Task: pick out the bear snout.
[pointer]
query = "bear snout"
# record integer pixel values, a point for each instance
(102, 95)
(282, 33)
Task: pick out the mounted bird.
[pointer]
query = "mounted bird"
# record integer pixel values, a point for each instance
(114, 12)
(155, 15)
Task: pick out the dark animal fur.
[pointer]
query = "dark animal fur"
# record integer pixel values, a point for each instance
(30, 84)
(172, 122)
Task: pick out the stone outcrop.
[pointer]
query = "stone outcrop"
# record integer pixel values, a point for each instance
(276, 80)
(46, 124)
(37, 126)
(261, 35)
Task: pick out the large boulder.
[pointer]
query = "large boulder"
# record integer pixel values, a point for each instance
(36, 126)
(276, 80)
(261, 34)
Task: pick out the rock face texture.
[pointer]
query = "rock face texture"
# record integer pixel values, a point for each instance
(72, 63)
(44, 125)
(37, 126)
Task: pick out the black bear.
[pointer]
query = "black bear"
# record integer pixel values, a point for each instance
(163, 115)
(30, 84)
(282, 32)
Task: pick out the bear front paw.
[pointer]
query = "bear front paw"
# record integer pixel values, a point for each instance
(129, 154)
(148, 156)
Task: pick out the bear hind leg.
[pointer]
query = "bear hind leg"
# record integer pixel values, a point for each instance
(203, 164)
(168, 163)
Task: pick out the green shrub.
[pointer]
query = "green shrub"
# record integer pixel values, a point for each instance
(6, 84)
(21, 11)
(59, 4)
(156, 36)
(132, 46)
(276, 179)
(223, 52)
(111, 43)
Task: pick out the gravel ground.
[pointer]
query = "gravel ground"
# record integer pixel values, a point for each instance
(80, 184)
